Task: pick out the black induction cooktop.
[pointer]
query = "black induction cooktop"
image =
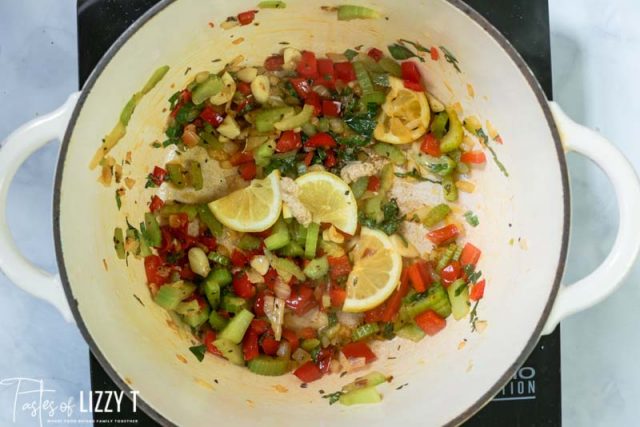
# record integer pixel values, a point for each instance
(532, 397)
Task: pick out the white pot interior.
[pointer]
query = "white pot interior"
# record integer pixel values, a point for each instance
(444, 378)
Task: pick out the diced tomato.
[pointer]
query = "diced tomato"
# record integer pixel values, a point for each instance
(313, 99)
(374, 183)
(244, 88)
(308, 158)
(288, 141)
(339, 266)
(416, 87)
(238, 259)
(301, 86)
(243, 287)
(451, 273)
(327, 73)
(410, 72)
(259, 326)
(241, 157)
(375, 314)
(211, 116)
(291, 336)
(431, 146)
(274, 63)
(331, 108)
(430, 322)
(156, 204)
(207, 339)
(246, 18)
(158, 175)
(301, 300)
(331, 160)
(250, 348)
(269, 344)
(185, 95)
(186, 273)
(444, 234)
(308, 333)
(208, 242)
(473, 157)
(308, 372)
(344, 71)
(469, 255)
(355, 350)
(270, 278)
(393, 303)
(308, 65)
(248, 171)
(258, 304)
(321, 140)
(375, 54)
(153, 267)
(477, 291)
(435, 55)
(324, 358)
(337, 296)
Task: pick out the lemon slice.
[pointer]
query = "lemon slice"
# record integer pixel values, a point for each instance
(329, 199)
(251, 209)
(376, 272)
(405, 115)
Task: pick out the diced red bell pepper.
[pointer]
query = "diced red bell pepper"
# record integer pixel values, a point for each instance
(375, 314)
(301, 86)
(186, 273)
(431, 146)
(331, 160)
(395, 300)
(291, 336)
(374, 183)
(208, 242)
(258, 304)
(246, 18)
(274, 63)
(207, 339)
(248, 171)
(269, 344)
(259, 326)
(435, 54)
(179, 220)
(344, 71)
(326, 73)
(324, 358)
(473, 157)
(321, 140)
(156, 204)
(301, 300)
(375, 53)
(339, 266)
(211, 116)
(419, 275)
(444, 234)
(288, 141)
(313, 99)
(308, 65)
(450, 273)
(308, 158)
(308, 333)
(156, 274)
(250, 347)
(477, 291)
(244, 88)
(355, 350)
(270, 278)
(331, 108)
(430, 322)
(337, 296)
(308, 372)
(158, 175)
(241, 157)
(469, 255)
(243, 287)
(238, 259)
(410, 72)
(416, 87)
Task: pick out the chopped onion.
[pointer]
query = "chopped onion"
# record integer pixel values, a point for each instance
(281, 289)
(284, 350)
(193, 229)
(300, 355)
(322, 91)
(314, 318)
(254, 277)
(274, 310)
(260, 263)
(350, 320)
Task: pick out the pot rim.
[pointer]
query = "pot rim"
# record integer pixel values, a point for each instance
(474, 16)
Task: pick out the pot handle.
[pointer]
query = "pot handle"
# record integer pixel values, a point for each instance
(18, 146)
(609, 275)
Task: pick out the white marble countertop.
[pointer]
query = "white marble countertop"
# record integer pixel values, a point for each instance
(595, 76)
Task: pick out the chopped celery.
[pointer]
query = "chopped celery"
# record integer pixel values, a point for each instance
(279, 238)
(233, 304)
(411, 332)
(372, 379)
(453, 138)
(374, 97)
(331, 249)
(219, 259)
(249, 243)
(217, 321)
(127, 111)
(446, 257)
(361, 396)
(390, 66)
(317, 268)
(311, 241)
(212, 223)
(309, 129)
(237, 327)
(287, 269)
(272, 4)
(298, 232)
(459, 296)
(188, 307)
(231, 351)
(457, 253)
(132, 236)
(365, 331)
(292, 122)
(436, 214)
(269, 366)
(310, 343)
(195, 175)
(386, 179)
(205, 90)
(177, 208)
(196, 318)
(172, 294)
(157, 75)
(380, 79)
(211, 140)
(211, 290)
(359, 186)
(373, 208)
(266, 118)
(263, 153)
(292, 250)
(370, 64)
(449, 189)
(363, 77)
(145, 251)
(323, 124)
(348, 12)
(391, 152)
(436, 299)
(439, 124)
(442, 165)
(118, 241)
(176, 175)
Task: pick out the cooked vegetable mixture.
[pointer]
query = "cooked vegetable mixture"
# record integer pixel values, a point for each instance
(315, 249)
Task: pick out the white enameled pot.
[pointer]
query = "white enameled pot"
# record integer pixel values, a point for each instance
(524, 230)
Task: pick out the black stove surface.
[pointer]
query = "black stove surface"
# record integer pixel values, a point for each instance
(532, 398)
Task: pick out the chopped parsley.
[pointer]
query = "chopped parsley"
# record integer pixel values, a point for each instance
(471, 218)
(364, 123)
(450, 58)
(473, 316)
(350, 54)
(416, 175)
(485, 141)
(333, 397)
(286, 165)
(400, 52)
(416, 45)
(391, 218)
(198, 351)
(118, 200)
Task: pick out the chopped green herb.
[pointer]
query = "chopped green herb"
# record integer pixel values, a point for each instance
(485, 141)
(198, 351)
(471, 218)
(118, 201)
(391, 218)
(333, 397)
(364, 123)
(400, 52)
(418, 46)
(416, 175)
(473, 316)
(450, 58)
(350, 54)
